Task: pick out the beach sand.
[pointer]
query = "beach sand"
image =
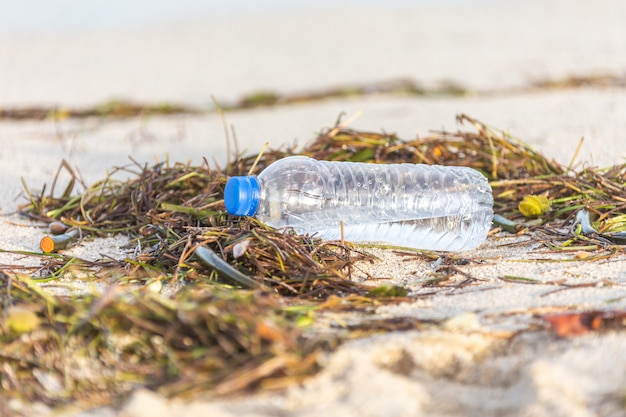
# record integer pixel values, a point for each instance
(493, 357)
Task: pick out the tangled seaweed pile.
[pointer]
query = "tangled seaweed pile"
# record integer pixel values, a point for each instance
(212, 334)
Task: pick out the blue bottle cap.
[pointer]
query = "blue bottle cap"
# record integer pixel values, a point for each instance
(241, 195)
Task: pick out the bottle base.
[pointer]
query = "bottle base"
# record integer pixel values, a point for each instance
(453, 233)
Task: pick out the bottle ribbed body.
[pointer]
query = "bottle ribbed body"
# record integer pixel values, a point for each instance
(420, 206)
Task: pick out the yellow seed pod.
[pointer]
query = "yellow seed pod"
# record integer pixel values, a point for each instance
(534, 205)
(21, 320)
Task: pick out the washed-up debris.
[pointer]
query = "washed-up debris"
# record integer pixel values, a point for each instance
(264, 98)
(579, 323)
(583, 218)
(55, 243)
(242, 295)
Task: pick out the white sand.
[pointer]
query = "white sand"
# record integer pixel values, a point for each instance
(494, 44)
(473, 365)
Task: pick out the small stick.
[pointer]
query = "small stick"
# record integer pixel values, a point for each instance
(220, 111)
(258, 158)
(576, 152)
(345, 123)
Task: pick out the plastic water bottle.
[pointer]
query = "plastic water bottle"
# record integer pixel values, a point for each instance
(412, 205)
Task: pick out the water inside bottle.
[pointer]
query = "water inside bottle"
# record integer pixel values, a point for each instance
(449, 233)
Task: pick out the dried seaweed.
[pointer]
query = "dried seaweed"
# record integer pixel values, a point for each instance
(210, 334)
(99, 347)
(116, 108)
(515, 171)
(171, 211)
(265, 98)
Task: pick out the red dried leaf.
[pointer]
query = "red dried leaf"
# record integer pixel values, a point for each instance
(574, 324)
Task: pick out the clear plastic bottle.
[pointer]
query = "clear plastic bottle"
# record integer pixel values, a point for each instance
(419, 206)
